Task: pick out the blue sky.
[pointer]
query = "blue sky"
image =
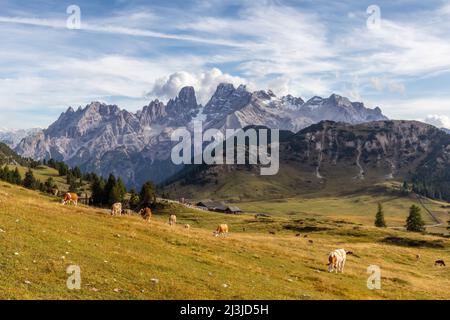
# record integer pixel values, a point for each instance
(129, 52)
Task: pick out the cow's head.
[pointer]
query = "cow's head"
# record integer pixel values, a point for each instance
(331, 263)
(216, 233)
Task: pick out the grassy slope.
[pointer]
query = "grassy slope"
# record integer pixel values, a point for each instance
(126, 253)
(296, 192)
(42, 173)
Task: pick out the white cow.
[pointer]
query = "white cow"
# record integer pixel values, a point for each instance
(116, 209)
(336, 260)
(172, 220)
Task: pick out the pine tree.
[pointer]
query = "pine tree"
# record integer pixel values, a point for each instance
(49, 184)
(15, 177)
(405, 188)
(414, 221)
(134, 199)
(121, 189)
(379, 217)
(148, 194)
(114, 195)
(76, 172)
(109, 194)
(98, 191)
(29, 182)
(63, 169)
(3, 174)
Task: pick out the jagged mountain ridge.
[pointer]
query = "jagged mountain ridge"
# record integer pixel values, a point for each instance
(13, 137)
(136, 146)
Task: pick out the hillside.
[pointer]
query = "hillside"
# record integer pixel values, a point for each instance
(42, 173)
(119, 256)
(7, 155)
(331, 158)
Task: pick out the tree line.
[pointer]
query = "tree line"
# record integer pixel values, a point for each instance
(105, 192)
(414, 221)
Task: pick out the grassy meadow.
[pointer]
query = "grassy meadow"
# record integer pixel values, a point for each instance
(266, 258)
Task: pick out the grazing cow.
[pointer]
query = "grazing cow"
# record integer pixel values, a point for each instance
(222, 229)
(417, 256)
(116, 209)
(172, 220)
(70, 197)
(439, 263)
(146, 213)
(187, 226)
(336, 260)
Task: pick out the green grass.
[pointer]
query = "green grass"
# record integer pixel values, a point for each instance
(125, 253)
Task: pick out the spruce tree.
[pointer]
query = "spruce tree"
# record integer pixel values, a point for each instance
(109, 192)
(148, 194)
(98, 191)
(29, 181)
(414, 221)
(134, 199)
(122, 190)
(15, 177)
(379, 217)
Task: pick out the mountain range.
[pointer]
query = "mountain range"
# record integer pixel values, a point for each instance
(12, 137)
(136, 146)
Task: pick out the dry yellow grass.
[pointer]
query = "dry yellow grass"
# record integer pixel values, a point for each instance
(41, 239)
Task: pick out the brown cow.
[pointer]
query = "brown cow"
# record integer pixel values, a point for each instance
(146, 213)
(222, 229)
(70, 197)
(439, 263)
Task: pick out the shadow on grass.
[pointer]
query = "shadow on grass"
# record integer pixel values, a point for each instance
(405, 242)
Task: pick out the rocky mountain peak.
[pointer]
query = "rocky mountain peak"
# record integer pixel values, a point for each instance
(155, 111)
(265, 95)
(186, 101)
(292, 101)
(227, 99)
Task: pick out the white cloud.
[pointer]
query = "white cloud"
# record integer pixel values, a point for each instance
(439, 121)
(85, 26)
(205, 83)
(415, 108)
(382, 83)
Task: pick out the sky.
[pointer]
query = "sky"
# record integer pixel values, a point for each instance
(391, 54)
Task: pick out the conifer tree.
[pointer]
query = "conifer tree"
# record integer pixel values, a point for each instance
(414, 221)
(379, 217)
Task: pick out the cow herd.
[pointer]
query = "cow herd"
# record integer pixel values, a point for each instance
(336, 258)
(146, 213)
